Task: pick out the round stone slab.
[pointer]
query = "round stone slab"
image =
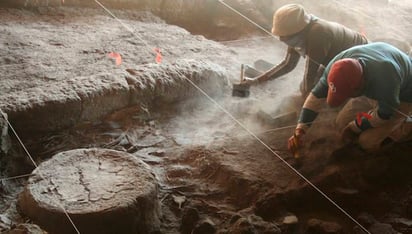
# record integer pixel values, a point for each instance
(101, 190)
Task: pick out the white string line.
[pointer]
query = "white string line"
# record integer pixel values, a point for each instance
(15, 177)
(260, 27)
(257, 138)
(13, 64)
(279, 129)
(250, 21)
(125, 26)
(401, 113)
(245, 39)
(35, 164)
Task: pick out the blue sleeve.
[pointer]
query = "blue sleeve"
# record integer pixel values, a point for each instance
(307, 116)
(321, 88)
(389, 96)
(389, 102)
(320, 91)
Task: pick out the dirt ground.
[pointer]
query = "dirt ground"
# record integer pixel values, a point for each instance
(218, 173)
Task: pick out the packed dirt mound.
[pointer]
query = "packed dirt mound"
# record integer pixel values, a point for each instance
(61, 64)
(101, 190)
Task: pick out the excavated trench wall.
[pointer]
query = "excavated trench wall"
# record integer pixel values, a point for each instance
(206, 17)
(51, 108)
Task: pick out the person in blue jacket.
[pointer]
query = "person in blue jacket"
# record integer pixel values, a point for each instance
(375, 83)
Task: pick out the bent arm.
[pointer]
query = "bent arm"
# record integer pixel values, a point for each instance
(309, 111)
(387, 105)
(313, 104)
(287, 65)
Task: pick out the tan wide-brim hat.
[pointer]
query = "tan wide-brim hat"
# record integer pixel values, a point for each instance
(289, 19)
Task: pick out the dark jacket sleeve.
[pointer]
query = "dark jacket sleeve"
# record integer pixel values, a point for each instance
(284, 67)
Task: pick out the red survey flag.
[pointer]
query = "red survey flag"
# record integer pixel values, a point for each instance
(158, 55)
(116, 56)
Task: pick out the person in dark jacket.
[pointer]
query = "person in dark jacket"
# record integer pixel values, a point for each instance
(375, 81)
(315, 39)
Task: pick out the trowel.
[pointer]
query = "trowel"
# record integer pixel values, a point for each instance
(241, 89)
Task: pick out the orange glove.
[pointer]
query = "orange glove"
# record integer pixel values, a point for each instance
(296, 141)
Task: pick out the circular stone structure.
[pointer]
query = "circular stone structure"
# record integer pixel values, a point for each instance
(101, 190)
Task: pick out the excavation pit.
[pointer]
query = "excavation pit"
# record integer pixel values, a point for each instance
(62, 90)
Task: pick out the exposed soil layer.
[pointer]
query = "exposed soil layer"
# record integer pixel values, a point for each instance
(216, 172)
(226, 180)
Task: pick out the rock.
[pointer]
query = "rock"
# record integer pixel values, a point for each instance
(263, 226)
(26, 228)
(179, 200)
(146, 154)
(5, 222)
(242, 226)
(235, 218)
(189, 219)
(290, 224)
(269, 205)
(366, 219)
(101, 190)
(290, 220)
(205, 227)
(402, 222)
(317, 226)
(382, 228)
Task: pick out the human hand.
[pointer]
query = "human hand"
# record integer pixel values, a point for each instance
(248, 81)
(296, 141)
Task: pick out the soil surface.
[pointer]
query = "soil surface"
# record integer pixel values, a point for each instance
(221, 168)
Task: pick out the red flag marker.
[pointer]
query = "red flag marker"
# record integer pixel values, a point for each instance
(158, 55)
(116, 56)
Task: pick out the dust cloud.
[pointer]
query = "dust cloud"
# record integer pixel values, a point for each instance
(203, 122)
